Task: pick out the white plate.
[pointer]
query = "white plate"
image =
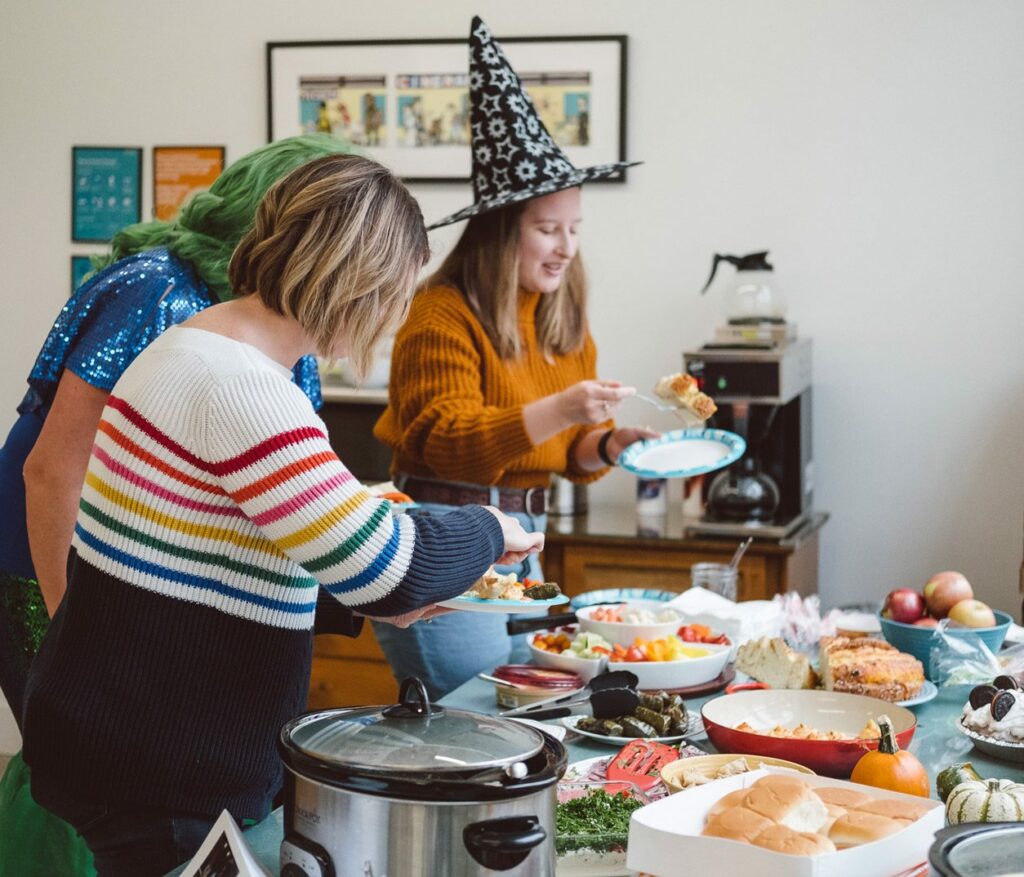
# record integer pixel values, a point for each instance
(578, 770)
(927, 692)
(478, 604)
(683, 453)
(694, 728)
(996, 748)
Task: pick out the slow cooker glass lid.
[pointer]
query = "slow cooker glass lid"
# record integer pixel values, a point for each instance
(451, 741)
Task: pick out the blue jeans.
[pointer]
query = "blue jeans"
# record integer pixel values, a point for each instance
(453, 648)
(134, 841)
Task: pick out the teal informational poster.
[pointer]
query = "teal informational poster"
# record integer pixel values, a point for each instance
(106, 191)
(80, 266)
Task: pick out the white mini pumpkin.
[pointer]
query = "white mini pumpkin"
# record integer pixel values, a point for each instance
(986, 801)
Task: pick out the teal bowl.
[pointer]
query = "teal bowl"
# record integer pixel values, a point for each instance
(917, 641)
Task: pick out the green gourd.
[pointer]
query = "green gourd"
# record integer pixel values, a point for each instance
(951, 777)
(986, 801)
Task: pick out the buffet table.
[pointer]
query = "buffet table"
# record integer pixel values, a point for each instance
(937, 743)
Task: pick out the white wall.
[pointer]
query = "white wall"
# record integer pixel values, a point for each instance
(875, 147)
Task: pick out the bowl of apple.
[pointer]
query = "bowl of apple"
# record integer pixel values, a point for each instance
(909, 618)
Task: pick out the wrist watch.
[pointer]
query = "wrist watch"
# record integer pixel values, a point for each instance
(602, 448)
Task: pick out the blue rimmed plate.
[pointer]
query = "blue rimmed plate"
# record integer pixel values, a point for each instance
(929, 691)
(620, 595)
(478, 604)
(683, 453)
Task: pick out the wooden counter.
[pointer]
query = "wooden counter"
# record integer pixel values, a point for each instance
(613, 547)
(609, 548)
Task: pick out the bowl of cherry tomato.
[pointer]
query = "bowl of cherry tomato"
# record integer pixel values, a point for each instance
(700, 633)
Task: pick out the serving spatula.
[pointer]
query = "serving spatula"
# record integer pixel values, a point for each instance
(601, 682)
(606, 704)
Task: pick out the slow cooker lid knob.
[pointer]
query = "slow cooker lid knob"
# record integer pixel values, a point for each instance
(413, 702)
(502, 844)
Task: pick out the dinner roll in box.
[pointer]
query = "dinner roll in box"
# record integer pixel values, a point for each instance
(666, 840)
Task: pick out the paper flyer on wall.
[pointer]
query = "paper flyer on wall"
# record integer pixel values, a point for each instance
(224, 853)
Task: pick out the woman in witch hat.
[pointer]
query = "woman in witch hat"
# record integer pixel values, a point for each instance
(493, 378)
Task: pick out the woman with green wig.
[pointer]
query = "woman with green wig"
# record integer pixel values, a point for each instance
(157, 274)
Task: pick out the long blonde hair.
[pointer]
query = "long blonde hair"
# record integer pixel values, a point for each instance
(484, 267)
(336, 245)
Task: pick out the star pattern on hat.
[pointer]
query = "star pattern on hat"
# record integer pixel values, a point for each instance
(514, 155)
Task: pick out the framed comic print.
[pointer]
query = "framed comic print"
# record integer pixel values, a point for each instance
(406, 102)
(106, 191)
(181, 171)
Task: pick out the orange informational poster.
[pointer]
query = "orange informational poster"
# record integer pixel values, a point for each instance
(178, 171)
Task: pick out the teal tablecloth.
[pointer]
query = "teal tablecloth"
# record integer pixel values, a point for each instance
(937, 743)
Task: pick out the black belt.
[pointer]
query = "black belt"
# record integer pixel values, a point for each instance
(532, 501)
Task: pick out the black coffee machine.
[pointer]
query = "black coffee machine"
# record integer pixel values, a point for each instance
(763, 393)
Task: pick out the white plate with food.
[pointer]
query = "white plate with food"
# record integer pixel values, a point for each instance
(502, 592)
(683, 453)
(479, 604)
(929, 690)
(694, 728)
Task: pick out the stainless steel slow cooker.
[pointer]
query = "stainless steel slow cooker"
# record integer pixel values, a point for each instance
(983, 849)
(417, 790)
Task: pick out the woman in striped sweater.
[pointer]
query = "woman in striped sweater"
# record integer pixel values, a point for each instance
(212, 509)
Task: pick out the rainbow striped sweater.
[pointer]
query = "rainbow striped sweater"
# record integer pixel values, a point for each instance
(212, 509)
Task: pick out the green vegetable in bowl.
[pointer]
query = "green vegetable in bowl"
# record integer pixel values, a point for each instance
(597, 821)
(589, 645)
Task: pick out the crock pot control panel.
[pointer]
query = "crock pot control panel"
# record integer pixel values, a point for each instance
(301, 857)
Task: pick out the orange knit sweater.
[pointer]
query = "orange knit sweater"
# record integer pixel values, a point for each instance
(455, 408)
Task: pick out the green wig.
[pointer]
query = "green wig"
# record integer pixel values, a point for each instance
(211, 224)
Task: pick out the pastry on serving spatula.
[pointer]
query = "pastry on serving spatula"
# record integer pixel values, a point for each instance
(682, 390)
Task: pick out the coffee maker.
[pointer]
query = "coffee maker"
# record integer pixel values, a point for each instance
(763, 393)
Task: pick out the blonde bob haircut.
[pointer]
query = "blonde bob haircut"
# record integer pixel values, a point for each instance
(484, 267)
(336, 245)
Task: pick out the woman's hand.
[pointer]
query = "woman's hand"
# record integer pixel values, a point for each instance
(587, 402)
(589, 460)
(623, 437)
(518, 543)
(407, 618)
(592, 401)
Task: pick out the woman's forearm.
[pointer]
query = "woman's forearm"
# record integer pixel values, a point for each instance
(51, 506)
(54, 472)
(545, 418)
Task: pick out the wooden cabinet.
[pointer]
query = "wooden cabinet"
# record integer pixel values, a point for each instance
(611, 548)
(605, 549)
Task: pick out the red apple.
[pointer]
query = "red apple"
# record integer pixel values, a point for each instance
(903, 605)
(944, 590)
(926, 622)
(972, 613)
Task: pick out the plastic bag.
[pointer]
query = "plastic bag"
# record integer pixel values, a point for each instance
(963, 659)
(802, 623)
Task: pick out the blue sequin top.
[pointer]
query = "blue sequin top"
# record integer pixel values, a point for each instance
(114, 316)
(106, 323)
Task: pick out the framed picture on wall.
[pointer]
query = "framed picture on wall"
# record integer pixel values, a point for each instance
(80, 266)
(406, 102)
(106, 191)
(181, 171)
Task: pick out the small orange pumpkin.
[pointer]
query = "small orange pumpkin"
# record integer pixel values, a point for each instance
(889, 767)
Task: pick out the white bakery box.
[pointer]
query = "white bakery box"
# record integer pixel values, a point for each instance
(665, 838)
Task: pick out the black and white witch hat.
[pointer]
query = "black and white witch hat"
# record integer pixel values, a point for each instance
(514, 156)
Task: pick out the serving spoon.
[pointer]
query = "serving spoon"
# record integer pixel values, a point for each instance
(691, 420)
